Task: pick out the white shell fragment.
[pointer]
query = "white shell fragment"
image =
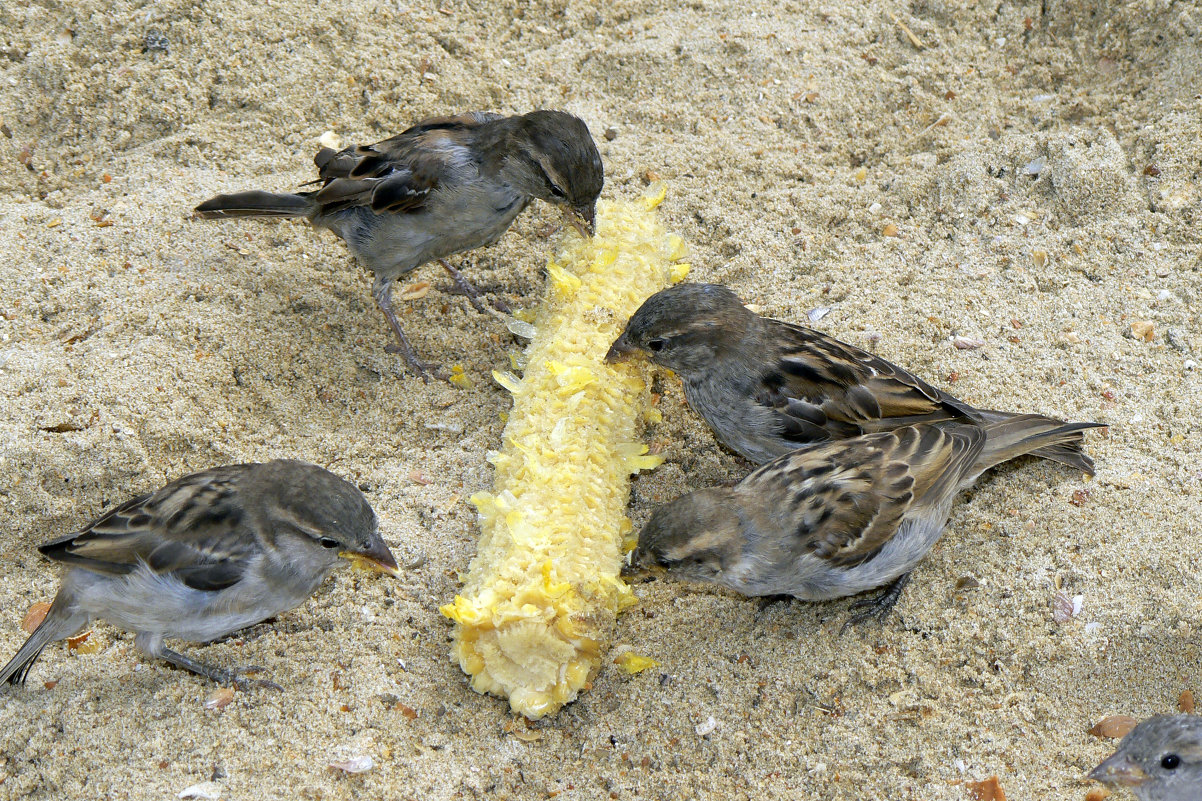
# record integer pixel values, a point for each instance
(359, 764)
(520, 328)
(331, 140)
(1062, 607)
(706, 726)
(205, 791)
(817, 314)
(219, 698)
(967, 343)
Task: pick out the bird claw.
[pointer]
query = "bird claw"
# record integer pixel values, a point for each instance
(422, 370)
(236, 678)
(878, 606)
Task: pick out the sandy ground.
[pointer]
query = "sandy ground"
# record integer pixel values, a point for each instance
(1040, 165)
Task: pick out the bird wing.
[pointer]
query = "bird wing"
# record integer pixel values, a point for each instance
(845, 500)
(823, 389)
(194, 529)
(397, 174)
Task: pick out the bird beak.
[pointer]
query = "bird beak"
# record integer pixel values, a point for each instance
(377, 558)
(621, 350)
(645, 560)
(1119, 769)
(583, 219)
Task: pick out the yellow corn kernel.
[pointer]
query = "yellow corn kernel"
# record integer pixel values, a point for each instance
(540, 598)
(633, 663)
(459, 377)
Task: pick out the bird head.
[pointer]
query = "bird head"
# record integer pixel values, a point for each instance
(1159, 759)
(685, 327)
(326, 516)
(693, 537)
(554, 158)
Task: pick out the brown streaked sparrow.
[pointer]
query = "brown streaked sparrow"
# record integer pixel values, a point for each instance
(446, 185)
(1160, 760)
(767, 387)
(837, 518)
(207, 555)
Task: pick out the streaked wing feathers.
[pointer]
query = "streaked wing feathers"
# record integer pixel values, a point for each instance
(820, 382)
(193, 528)
(846, 500)
(395, 175)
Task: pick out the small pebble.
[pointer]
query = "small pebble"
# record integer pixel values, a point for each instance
(358, 764)
(205, 791)
(611, 133)
(331, 140)
(415, 291)
(219, 698)
(1114, 727)
(706, 727)
(520, 328)
(1142, 329)
(155, 41)
(817, 314)
(967, 343)
(1034, 168)
(1062, 607)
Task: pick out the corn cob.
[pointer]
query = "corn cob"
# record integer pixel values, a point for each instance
(541, 596)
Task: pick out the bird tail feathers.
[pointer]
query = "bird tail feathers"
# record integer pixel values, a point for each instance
(256, 203)
(1008, 436)
(60, 622)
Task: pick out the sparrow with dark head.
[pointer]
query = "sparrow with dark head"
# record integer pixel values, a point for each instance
(207, 555)
(840, 517)
(1160, 760)
(768, 387)
(444, 186)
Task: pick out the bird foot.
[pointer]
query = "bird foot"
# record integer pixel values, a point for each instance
(237, 678)
(423, 370)
(218, 675)
(878, 606)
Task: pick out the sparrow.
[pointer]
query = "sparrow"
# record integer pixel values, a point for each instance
(1160, 760)
(207, 555)
(837, 518)
(444, 186)
(767, 387)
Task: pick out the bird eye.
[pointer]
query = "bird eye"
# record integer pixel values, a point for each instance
(556, 191)
(656, 345)
(1170, 761)
(329, 542)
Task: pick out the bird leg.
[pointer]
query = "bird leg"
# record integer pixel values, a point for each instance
(473, 294)
(218, 675)
(382, 290)
(878, 606)
(766, 602)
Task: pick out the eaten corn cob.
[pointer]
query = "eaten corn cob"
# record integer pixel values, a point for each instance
(541, 596)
